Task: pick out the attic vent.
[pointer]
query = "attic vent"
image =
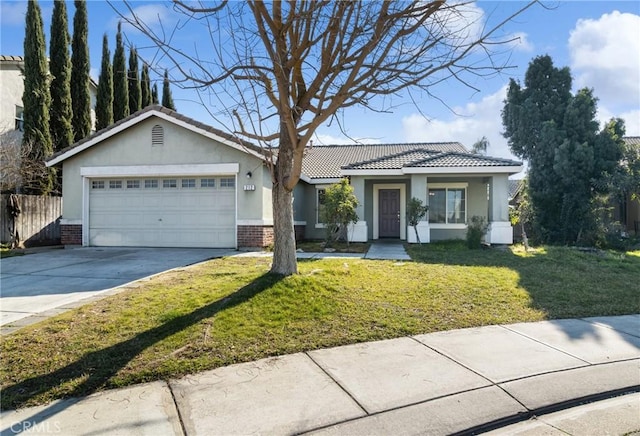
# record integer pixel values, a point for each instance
(157, 136)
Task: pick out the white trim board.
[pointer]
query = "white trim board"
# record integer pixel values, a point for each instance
(161, 170)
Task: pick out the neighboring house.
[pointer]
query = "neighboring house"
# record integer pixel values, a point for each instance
(11, 116)
(12, 88)
(158, 178)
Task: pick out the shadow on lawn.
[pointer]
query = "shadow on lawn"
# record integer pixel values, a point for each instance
(103, 364)
(562, 282)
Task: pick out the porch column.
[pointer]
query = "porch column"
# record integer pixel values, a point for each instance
(500, 230)
(358, 232)
(419, 190)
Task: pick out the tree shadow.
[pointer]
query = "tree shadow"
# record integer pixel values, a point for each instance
(96, 368)
(566, 284)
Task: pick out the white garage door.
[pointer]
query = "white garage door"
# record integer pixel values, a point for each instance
(163, 212)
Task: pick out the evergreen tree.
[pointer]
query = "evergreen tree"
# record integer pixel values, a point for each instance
(80, 96)
(568, 157)
(120, 84)
(154, 94)
(135, 92)
(167, 99)
(104, 99)
(60, 68)
(145, 86)
(36, 101)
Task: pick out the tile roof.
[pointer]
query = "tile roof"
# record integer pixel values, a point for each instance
(514, 187)
(9, 58)
(455, 159)
(631, 140)
(326, 161)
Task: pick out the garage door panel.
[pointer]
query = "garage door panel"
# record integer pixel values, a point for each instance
(162, 217)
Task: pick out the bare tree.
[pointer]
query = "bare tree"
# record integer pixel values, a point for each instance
(18, 169)
(278, 70)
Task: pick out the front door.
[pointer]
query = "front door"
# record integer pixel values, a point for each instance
(389, 210)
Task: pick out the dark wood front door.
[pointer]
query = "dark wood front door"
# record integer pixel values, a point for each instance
(389, 210)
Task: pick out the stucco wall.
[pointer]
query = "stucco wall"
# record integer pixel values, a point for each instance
(11, 90)
(181, 146)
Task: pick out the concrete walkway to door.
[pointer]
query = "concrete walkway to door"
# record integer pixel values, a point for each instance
(387, 250)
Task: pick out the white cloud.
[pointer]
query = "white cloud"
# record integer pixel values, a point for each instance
(154, 15)
(12, 14)
(604, 56)
(328, 139)
(475, 121)
(631, 119)
(520, 42)
(462, 21)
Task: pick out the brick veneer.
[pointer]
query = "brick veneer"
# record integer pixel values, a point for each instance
(261, 236)
(71, 234)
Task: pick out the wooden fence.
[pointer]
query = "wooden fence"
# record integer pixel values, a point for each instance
(38, 222)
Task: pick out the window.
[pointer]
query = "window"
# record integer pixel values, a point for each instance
(150, 183)
(97, 184)
(133, 184)
(188, 183)
(19, 118)
(320, 197)
(170, 183)
(115, 184)
(207, 183)
(157, 136)
(447, 205)
(227, 183)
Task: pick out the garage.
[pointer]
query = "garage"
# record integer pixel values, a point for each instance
(175, 211)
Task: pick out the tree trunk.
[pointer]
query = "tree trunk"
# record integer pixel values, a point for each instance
(284, 249)
(415, 229)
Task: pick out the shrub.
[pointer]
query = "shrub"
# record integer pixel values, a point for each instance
(475, 232)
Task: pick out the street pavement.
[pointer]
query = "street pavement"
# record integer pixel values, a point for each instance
(573, 376)
(534, 378)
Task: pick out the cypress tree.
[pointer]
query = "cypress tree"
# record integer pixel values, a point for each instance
(60, 68)
(135, 92)
(145, 87)
(120, 85)
(167, 99)
(36, 101)
(104, 99)
(80, 97)
(154, 94)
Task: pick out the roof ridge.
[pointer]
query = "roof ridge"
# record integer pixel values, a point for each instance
(390, 156)
(387, 144)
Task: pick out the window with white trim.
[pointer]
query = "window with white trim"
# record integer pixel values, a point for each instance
(19, 125)
(170, 183)
(133, 184)
(150, 183)
(97, 184)
(207, 183)
(115, 184)
(227, 182)
(157, 136)
(448, 205)
(320, 198)
(188, 183)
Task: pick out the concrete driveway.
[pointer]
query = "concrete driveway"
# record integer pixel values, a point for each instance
(38, 285)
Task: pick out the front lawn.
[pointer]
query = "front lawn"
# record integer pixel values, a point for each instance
(231, 310)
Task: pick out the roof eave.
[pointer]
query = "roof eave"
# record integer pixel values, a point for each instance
(502, 169)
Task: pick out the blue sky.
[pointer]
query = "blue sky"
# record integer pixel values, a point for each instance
(598, 40)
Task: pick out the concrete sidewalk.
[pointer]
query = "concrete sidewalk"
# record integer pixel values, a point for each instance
(459, 381)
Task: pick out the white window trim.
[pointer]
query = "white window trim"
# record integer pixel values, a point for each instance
(403, 208)
(452, 226)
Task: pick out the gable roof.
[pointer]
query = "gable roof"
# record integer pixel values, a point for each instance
(326, 161)
(165, 114)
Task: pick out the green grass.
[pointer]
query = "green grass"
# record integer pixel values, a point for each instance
(231, 310)
(7, 252)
